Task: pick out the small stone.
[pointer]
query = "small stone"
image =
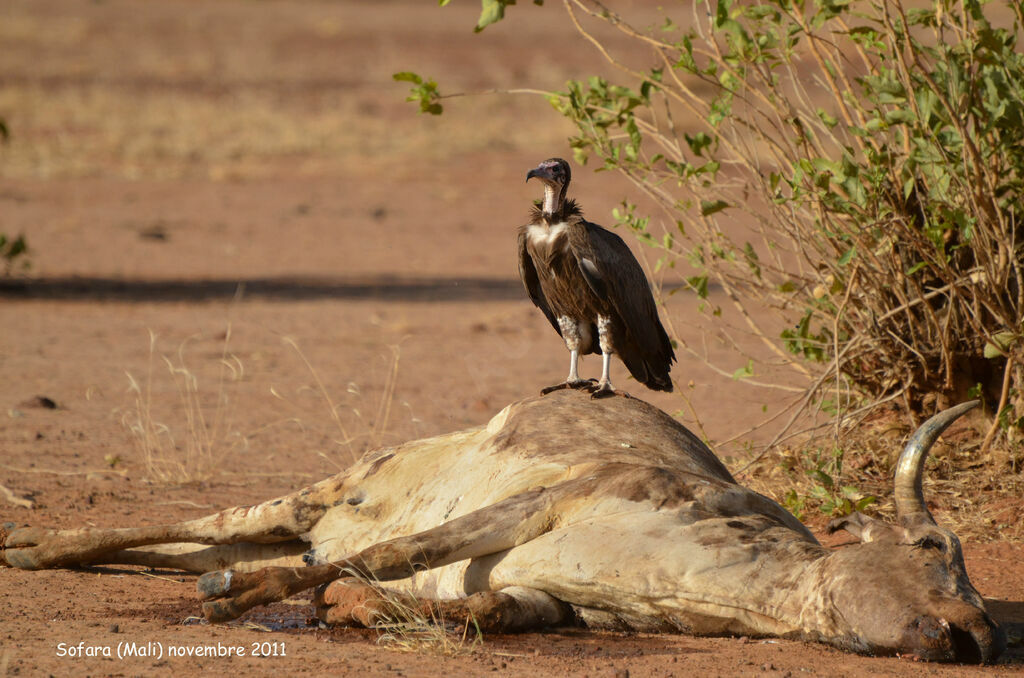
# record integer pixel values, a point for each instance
(40, 401)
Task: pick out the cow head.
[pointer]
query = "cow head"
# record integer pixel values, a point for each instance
(905, 589)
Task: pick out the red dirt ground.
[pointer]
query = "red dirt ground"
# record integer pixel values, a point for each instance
(243, 182)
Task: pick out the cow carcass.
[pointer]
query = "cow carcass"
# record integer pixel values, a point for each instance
(561, 510)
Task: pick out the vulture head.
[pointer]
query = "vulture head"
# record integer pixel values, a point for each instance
(555, 174)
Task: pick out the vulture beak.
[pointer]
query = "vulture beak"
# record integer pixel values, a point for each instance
(542, 172)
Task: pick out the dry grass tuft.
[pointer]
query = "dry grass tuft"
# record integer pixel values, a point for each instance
(406, 622)
(184, 426)
(189, 444)
(355, 433)
(406, 626)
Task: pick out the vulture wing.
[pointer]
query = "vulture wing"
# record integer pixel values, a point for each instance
(614, 275)
(528, 272)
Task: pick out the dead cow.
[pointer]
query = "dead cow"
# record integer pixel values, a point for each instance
(565, 510)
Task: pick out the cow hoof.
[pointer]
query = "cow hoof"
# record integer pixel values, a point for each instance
(32, 548)
(24, 536)
(219, 611)
(19, 558)
(214, 584)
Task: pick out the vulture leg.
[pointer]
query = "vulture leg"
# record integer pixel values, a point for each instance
(574, 340)
(573, 380)
(604, 387)
(604, 335)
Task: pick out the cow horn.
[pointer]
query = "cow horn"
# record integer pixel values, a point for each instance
(909, 497)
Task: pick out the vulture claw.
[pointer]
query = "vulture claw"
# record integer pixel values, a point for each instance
(606, 391)
(576, 385)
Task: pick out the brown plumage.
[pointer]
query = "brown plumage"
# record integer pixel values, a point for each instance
(591, 288)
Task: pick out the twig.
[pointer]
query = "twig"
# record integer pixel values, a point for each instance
(160, 576)
(1003, 396)
(15, 499)
(183, 502)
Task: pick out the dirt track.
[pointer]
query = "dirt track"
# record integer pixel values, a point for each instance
(244, 182)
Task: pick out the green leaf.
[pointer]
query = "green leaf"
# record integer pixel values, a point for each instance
(424, 92)
(699, 284)
(999, 345)
(849, 491)
(709, 207)
(847, 256)
(753, 261)
(899, 116)
(829, 120)
(491, 12)
(408, 76)
(916, 267)
(823, 478)
(745, 371)
(864, 502)
(698, 142)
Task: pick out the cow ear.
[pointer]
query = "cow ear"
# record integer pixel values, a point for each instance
(865, 528)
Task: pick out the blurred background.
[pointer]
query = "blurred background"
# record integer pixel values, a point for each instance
(235, 218)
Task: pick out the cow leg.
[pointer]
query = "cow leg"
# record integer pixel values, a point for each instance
(353, 602)
(278, 520)
(197, 558)
(492, 529)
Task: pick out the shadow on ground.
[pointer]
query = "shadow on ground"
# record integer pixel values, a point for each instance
(383, 288)
(1010, 615)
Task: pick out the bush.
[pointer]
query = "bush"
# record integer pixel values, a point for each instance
(856, 166)
(11, 249)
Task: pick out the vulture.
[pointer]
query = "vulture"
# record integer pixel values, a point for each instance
(591, 289)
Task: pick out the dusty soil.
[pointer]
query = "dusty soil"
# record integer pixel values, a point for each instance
(252, 262)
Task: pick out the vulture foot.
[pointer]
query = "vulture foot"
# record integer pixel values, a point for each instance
(606, 391)
(576, 385)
